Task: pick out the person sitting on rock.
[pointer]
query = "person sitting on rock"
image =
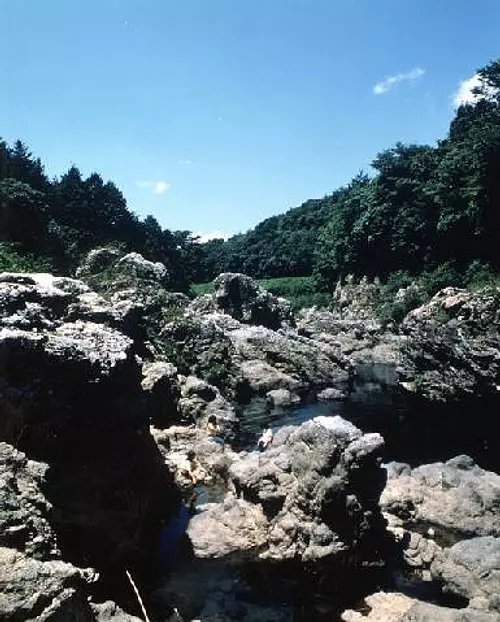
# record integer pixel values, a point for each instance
(214, 430)
(265, 440)
(196, 473)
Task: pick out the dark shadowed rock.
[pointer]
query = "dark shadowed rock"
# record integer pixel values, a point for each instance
(452, 345)
(242, 298)
(71, 397)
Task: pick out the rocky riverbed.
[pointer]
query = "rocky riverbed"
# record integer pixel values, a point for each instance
(108, 381)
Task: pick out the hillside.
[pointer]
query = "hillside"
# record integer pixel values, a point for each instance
(424, 207)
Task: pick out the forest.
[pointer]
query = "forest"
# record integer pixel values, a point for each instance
(422, 209)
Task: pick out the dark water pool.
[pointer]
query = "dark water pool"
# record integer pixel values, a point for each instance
(415, 430)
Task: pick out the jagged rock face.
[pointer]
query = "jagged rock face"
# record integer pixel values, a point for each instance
(242, 298)
(452, 345)
(118, 267)
(244, 360)
(456, 495)
(394, 607)
(41, 590)
(135, 286)
(312, 495)
(356, 301)
(471, 569)
(25, 512)
(71, 397)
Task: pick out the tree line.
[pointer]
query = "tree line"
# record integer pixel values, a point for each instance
(55, 222)
(424, 207)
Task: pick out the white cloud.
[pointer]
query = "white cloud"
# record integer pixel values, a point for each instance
(464, 94)
(386, 85)
(156, 187)
(160, 187)
(206, 237)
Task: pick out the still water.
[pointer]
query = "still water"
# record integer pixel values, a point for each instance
(415, 431)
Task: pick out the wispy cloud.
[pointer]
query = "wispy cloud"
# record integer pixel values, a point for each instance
(156, 187)
(386, 85)
(215, 235)
(185, 162)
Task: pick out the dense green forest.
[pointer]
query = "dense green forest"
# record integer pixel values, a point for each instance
(50, 224)
(424, 209)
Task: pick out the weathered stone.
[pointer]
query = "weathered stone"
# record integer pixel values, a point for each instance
(452, 344)
(41, 590)
(318, 487)
(394, 607)
(243, 299)
(471, 569)
(456, 495)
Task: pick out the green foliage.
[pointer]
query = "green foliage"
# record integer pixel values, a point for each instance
(63, 219)
(14, 260)
(301, 291)
(202, 288)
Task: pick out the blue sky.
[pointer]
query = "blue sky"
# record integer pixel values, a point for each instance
(215, 114)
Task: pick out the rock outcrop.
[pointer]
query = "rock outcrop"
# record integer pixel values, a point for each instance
(242, 298)
(90, 487)
(395, 607)
(136, 287)
(451, 347)
(312, 495)
(471, 569)
(456, 496)
(245, 361)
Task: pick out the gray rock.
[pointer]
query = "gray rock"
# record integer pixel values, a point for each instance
(243, 299)
(471, 569)
(331, 394)
(456, 495)
(24, 510)
(110, 612)
(395, 607)
(41, 590)
(315, 491)
(282, 398)
(452, 345)
(71, 397)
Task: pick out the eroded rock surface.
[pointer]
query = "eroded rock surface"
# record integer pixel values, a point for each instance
(456, 495)
(452, 344)
(471, 569)
(395, 607)
(315, 492)
(242, 298)
(71, 400)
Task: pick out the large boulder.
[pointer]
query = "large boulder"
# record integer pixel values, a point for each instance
(245, 361)
(41, 590)
(242, 298)
(456, 496)
(471, 569)
(71, 398)
(135, 286)
(452, 345)
(313, 495)
(395, 607)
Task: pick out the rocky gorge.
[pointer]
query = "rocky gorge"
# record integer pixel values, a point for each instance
(109, 380)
